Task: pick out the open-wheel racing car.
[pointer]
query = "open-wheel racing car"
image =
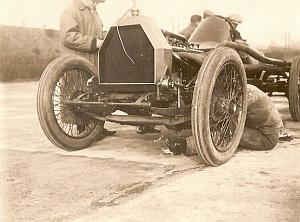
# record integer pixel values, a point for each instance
(159, 78)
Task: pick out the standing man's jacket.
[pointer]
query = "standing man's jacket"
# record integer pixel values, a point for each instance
(80, 27)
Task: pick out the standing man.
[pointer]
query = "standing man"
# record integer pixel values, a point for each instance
(81, 34)
(81, 30)
(188, 30)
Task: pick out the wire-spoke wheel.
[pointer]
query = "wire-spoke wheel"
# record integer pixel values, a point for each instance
(226, 107)
(294, 89)
(64, 80)
(219, 106)
(68, 86)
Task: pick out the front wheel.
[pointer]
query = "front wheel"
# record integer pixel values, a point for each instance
(294, 89)
(65, 79)
(219, 106)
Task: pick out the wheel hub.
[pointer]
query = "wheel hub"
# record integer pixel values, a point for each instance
(232, 107)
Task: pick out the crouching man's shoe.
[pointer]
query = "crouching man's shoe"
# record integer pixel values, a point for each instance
(147, 129)
(108, 132)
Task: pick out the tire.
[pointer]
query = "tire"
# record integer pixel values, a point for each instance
(294, 89)
(66, 78)
(219, 106)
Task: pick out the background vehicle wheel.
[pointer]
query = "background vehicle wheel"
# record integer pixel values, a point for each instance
(66, 78)
(294, 89)
(219, 106)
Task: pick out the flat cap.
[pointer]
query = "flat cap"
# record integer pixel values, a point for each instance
(236, 18)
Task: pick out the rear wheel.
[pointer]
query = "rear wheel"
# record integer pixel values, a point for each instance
(294, 89)
(65, 79)
(219, 106)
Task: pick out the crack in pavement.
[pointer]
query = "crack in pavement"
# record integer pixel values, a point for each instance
(111, 200)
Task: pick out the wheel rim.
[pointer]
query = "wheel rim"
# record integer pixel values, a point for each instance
(226, 107)
(69, 85)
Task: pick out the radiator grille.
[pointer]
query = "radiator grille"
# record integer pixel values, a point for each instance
(116, 67)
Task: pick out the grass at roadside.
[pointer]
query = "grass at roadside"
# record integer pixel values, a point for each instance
(25, 52)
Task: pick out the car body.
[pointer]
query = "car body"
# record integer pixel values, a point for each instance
(158, 78)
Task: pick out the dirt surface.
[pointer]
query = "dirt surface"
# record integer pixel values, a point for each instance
(130, 177)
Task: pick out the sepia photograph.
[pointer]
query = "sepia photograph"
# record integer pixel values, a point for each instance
(149, 111)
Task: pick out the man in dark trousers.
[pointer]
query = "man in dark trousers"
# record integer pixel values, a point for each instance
(188, 30)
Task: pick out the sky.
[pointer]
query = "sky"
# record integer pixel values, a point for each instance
(264, 22)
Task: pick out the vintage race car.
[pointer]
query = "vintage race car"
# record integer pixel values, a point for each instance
(159, 78)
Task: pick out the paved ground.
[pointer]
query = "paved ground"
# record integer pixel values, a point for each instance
(131, 177)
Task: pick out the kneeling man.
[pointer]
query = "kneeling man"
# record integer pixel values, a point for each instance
(263, 124)
(263, 121)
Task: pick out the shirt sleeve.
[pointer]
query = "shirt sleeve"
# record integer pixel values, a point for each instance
(71, 36)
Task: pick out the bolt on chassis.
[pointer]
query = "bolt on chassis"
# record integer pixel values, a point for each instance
(159, 78)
